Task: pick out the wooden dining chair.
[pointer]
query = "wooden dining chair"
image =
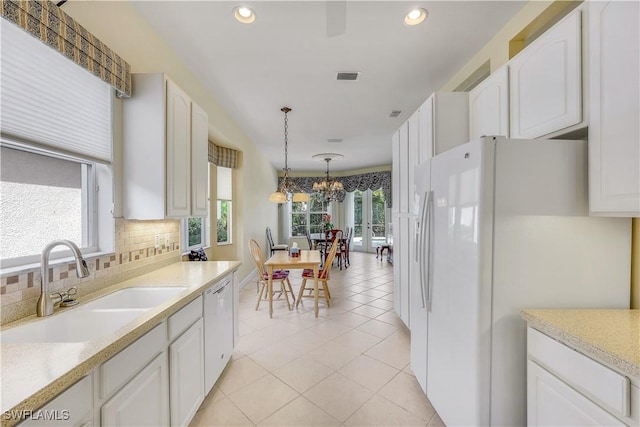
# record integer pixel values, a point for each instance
(281, 276)
(329, 237)
(272, 246)
(323, 277)
(309, 240)
(345, 246)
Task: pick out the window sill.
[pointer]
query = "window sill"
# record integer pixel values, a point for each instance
(225, 244)
(26, 268)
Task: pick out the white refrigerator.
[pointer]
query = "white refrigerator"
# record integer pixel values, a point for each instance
(502, 225)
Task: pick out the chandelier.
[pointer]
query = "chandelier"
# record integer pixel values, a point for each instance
(287, 185)
(329, 188)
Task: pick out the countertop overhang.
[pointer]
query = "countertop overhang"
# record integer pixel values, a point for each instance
(34, 373)
(611, 336)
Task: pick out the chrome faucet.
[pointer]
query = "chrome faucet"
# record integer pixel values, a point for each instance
(46, 300)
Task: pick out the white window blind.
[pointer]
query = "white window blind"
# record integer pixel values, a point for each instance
(224, 183)
(47, 99)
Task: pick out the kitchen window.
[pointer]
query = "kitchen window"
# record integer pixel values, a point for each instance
(56, 148)
(195, 230)
(224, 205)
(308, 216)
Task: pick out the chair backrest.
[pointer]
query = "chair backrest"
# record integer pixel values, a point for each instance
(269, 238)
(330, 235)
(309, 241)
(258, 256)
(332, 254)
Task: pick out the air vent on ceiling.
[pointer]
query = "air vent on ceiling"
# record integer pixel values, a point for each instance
(348, 76)
(395, 113)
(334, 140)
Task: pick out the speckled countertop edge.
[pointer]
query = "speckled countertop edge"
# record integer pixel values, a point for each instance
(24, 390)
(611, 336)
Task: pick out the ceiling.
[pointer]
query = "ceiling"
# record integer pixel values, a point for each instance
(287, 58)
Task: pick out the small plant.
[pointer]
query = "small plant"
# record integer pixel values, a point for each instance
(327, 222)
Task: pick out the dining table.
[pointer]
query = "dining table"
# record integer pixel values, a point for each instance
(282, 260)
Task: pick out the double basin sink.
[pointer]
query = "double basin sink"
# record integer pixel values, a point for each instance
(92, 320)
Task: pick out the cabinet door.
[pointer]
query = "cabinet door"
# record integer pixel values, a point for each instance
(199, 161)
(489, 106)
(395, 172)
(404, 239)
(143, 401)
(614, 129)
(545, 82)
(425, 150)
(178, 152)
(73, 407)
(414, 147)
(397, 256)
(550, 402)
(403, 168)
(186, 381)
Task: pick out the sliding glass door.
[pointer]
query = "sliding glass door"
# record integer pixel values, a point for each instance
(369, 219)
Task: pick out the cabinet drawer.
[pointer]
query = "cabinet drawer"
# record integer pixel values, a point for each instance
(606, 386)
(73, 407)
(187, 316)
(124, 365)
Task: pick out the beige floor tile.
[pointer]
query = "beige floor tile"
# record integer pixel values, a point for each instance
(339, 396)
(214, 396)
(238, 374)
(303, 373)
(300, 412)
(334, 355)
(306, 340)
(388, 297)
(368, 311)
(357, 340)
(404, 390)
(380, 412)
(375, 293)
(377, 328)
(221, 413)
(401, 337)
(275, 356)
(332, 328)
(391, 318)
(381, 303)
(390, 353)
(349, 319)
(369, 372)
(262, 398)
(436, 421)
(358, 289)
(363, 299)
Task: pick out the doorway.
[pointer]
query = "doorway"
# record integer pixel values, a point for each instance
(369, 218)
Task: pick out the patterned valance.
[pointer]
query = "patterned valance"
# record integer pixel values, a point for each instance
(362, 182)
(223, 156)
(47, 22)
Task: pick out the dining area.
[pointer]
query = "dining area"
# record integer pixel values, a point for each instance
(324, 251)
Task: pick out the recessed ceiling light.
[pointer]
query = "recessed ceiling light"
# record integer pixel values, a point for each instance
(244, 14)
(416, 16)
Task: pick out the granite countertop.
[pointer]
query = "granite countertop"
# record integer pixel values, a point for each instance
(611, 336)
(34, 373)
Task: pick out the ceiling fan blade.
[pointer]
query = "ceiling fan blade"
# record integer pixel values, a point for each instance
(336, 17)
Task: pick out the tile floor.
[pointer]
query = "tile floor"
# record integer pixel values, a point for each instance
(349, 367)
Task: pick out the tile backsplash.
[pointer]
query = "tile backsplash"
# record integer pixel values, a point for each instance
(135, 254)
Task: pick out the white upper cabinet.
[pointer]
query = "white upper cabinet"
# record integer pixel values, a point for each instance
(164, 152)
(489, 106)
(395, 172)
(614, 129)
(199, 168)
(444, 123)
(545, 82)
(403, 168)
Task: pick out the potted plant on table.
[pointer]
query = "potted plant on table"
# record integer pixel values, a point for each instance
(327, 222)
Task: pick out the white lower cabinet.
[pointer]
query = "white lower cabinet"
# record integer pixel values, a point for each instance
(568, 388)
(73, 407)
(144, 401)
(551, 402)
(186, 372)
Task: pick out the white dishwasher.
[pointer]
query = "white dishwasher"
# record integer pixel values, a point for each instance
(218, 330)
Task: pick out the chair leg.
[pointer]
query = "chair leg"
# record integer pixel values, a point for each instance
(286, 294)
(304, 282)
(325, 288)
(293, 296)
(260, 296)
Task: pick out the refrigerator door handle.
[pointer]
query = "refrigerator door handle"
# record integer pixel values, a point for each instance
(419, 248)
(428, 225)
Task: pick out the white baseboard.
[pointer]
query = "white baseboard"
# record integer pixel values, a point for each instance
(251, 277)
